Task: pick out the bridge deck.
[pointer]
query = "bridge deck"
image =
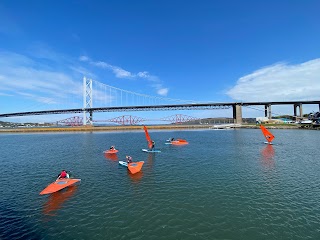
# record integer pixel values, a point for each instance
(195, 106)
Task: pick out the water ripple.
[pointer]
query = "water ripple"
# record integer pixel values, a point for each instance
(231, 187)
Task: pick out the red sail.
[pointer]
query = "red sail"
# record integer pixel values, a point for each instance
(268, 135)
(148, 137)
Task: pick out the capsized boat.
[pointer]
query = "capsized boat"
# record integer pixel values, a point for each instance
(133, 167)
(268, 135)
(58, 185)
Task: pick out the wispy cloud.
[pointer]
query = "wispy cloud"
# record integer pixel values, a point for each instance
(84, 59)
(38, 98)
(5, 94)
(36, 80)
(122, 73)
(43, 77)
(280, 82)
(163, 91)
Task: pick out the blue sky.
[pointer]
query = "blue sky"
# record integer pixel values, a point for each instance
(211, 51)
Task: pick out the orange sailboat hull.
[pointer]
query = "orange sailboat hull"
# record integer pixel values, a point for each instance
(135, 167)
(58, 185)
(179, 142)
(111, 151)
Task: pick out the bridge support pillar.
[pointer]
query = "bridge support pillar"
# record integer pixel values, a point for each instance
(90, 118)
(237, 113)
(300, 109)
(267, 111)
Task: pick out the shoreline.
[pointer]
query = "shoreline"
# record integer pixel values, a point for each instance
(129, 128)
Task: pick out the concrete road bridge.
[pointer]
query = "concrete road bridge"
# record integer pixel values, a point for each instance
(236, 109)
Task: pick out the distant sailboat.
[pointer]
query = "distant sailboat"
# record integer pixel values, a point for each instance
(268, 135)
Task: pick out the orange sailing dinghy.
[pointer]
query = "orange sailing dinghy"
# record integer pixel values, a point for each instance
(268, 135)
(179, 142)
(58, 185)
(111, 151)
(133, 167)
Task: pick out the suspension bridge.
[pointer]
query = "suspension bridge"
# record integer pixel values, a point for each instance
(98, 97)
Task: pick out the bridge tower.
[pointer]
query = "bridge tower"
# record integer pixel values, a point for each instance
(87, 100)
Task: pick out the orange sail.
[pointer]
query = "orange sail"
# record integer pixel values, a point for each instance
(268, 135)
(135, 167)
(148, 137)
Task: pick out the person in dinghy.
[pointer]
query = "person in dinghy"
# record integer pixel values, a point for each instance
(112, 148)
(63, 174)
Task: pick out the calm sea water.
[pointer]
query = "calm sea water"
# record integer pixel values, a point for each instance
(223, 185)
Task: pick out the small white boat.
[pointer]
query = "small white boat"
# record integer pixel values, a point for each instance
(305, 122)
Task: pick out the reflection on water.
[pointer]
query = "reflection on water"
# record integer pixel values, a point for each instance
(112, 156)
(56, 200)
(268, 156)
(136, 177)
(150, 160)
